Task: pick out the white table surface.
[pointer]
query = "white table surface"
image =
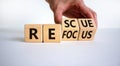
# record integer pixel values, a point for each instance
(103, 51)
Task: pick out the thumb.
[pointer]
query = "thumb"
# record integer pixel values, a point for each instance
(58, 15)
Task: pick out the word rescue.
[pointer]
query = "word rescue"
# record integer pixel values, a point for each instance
(70, 30)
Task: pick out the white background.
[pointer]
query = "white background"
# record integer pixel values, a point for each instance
(104, 50)
(16, 13)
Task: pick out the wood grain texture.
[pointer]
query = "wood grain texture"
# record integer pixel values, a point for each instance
(87, 28)
(51, 33)
(30, 29)
(70, 29)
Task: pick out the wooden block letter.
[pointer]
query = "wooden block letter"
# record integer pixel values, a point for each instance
(52, 32)
(33, 33)
(87, 29)
(70, 29)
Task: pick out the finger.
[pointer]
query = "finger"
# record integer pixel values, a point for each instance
(95, 18)
(88, 13)
(58, 12)
(58, 15)
(72, 14)
(85, 11)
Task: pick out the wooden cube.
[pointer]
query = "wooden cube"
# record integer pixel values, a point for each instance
(52, 33)
(33, 33)
(87, 28)
(70, 29)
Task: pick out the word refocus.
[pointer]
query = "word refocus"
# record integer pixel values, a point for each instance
(70, 30)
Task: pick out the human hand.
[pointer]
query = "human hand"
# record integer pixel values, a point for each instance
(71, 9)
